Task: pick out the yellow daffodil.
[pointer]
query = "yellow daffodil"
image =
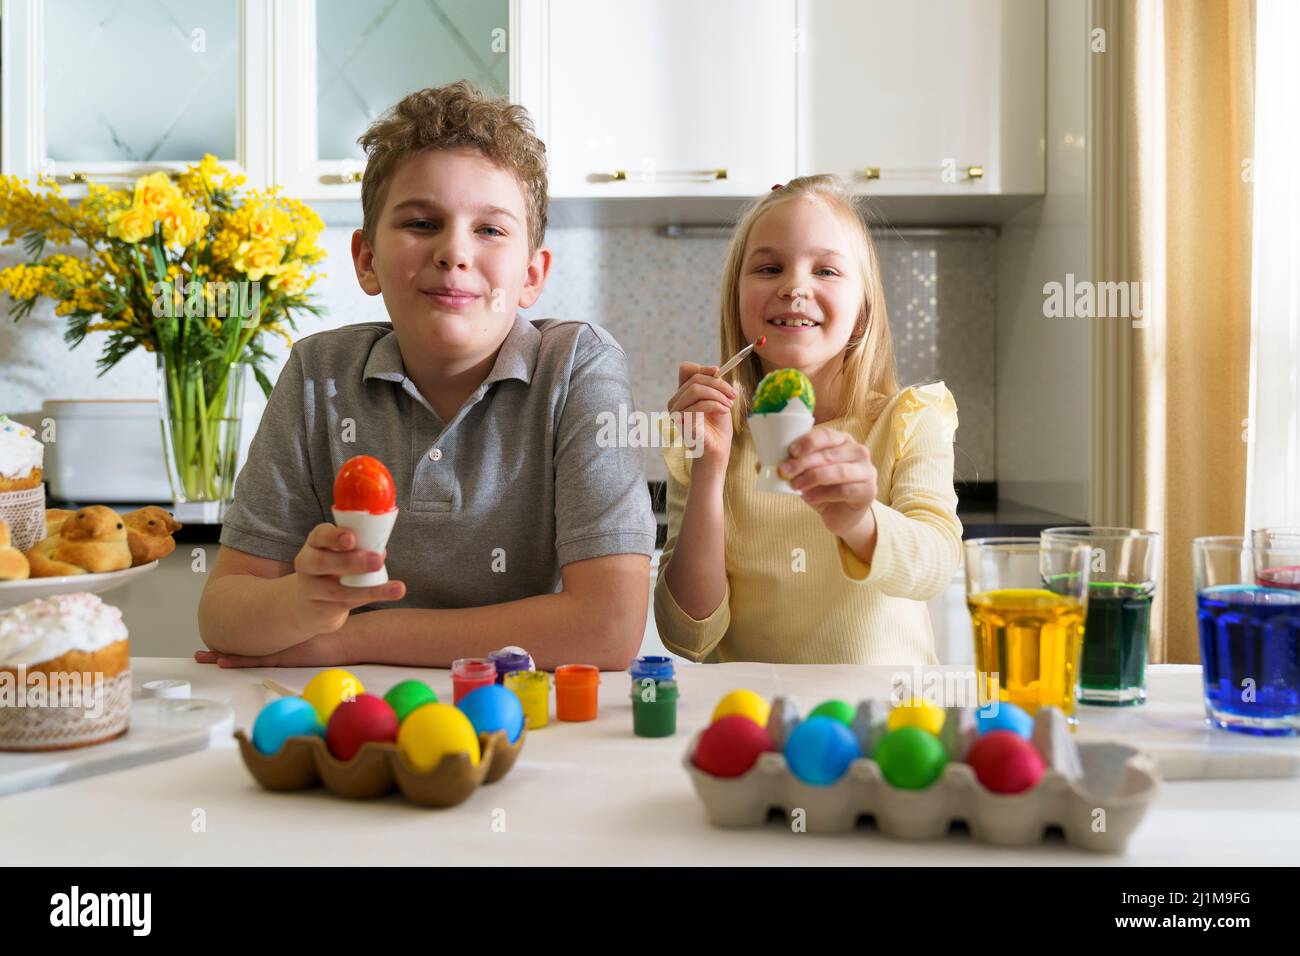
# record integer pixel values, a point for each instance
(258, 258)
(132, 224)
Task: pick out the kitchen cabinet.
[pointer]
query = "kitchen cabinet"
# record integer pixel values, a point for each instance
(112, 91)
(924, 98)
(340, 63)
(277, 89)
(652, 98)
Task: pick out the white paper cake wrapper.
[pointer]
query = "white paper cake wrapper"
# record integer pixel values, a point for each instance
(24, 513)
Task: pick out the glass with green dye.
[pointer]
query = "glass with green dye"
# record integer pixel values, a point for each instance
(1123, 564)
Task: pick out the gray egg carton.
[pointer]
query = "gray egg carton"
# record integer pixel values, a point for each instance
(1095, 793)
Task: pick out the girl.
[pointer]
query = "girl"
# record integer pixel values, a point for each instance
(842, 575)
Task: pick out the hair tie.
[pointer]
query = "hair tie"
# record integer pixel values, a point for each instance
(776, 187)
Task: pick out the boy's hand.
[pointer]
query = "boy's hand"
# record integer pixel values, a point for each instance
(324, 650)
(835, 475)
(320, 603)
(708, 400)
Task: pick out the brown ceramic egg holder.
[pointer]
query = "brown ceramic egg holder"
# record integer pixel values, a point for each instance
(378, 768)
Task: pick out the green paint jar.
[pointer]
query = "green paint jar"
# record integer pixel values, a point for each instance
(654, 708)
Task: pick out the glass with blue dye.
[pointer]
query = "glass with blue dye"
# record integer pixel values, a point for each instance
(1250, 637)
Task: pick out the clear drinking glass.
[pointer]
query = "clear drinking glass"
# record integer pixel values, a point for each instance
(1028, 601)
(1250, 633)
(1122, 568)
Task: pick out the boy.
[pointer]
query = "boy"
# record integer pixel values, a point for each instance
(488, 423)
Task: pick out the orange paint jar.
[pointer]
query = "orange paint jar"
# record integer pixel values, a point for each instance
(576, 690)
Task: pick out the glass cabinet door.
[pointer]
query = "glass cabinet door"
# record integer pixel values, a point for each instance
(371, 53)
(131, 83)
(341, 63)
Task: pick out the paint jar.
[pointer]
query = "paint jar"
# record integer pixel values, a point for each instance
(654, 667)
(654, 708)
(469, 674)
(533, 688)
(576, 689)
(508, 659)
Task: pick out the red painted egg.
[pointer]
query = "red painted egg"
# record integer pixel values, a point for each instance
(357, 721)
(1005, 762)
(730, 746)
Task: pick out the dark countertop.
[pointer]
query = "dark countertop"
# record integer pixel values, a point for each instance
(982, 514)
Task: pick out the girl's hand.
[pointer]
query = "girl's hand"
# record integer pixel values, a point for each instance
(707, 402)
(835, 475)
(323, 650)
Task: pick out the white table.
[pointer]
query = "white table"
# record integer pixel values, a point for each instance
(581, 793)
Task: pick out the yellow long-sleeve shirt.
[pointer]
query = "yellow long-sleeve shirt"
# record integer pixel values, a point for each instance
(795, 593)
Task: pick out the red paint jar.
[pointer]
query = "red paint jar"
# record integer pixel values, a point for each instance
(469, 674)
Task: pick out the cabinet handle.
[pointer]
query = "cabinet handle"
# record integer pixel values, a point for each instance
(79, 177)
(690, 175)
(872, 173)
(354, 176)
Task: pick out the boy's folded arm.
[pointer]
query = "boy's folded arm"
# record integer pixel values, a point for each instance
(242, 609)
(599, 618)
(918, 534)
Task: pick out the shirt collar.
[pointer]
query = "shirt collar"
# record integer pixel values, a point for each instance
(517, 357)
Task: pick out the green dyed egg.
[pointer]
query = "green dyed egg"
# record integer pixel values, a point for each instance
(408, 695)
(779, 387)
(836, 710)
(910, 758)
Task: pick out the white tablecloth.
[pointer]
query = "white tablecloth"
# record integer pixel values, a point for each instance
(580, 793)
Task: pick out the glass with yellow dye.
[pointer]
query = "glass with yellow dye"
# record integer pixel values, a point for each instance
(1027, 645)
(533, 688)
(1028, 603)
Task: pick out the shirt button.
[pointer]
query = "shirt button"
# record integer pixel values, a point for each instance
(435, 454)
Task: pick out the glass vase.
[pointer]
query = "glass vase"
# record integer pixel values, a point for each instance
(201, 406)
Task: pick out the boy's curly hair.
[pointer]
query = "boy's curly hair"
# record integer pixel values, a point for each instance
(455, 115)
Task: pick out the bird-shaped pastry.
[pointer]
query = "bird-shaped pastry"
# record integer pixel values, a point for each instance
(149, 533)
(13, 563)
(54, 518)
(92, 541)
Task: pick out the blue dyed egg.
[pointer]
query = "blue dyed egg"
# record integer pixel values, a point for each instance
(1008, 716)
(494, 708)
(820, 750)
(282, 719)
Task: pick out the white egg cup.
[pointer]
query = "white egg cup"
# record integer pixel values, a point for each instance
(773, 432)
(372, 531)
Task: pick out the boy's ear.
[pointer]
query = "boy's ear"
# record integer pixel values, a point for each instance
(363, 260)
(535, 279)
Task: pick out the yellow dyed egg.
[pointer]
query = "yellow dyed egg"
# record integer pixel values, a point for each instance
(744, 703)
(916, 713)
(330, 688)
(432, 731)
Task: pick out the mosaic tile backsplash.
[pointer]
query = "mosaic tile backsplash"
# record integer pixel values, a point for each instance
(657, 295)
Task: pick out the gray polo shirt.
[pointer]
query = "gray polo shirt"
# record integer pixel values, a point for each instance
(491, 504)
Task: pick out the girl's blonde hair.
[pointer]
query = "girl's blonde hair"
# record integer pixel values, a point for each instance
(867, 377)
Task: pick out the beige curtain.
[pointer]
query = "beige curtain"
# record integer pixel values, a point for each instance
(1172, 126)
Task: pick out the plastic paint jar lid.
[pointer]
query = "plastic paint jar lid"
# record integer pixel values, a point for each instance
(656, 666)
(473, 669)
(508, 661)
(577, 675)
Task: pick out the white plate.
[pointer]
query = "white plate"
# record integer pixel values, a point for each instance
(160, 729)
(16, 592)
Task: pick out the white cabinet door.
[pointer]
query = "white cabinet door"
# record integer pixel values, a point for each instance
(670, 97)
(110, 91)
(927, 97)
(339, 64)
